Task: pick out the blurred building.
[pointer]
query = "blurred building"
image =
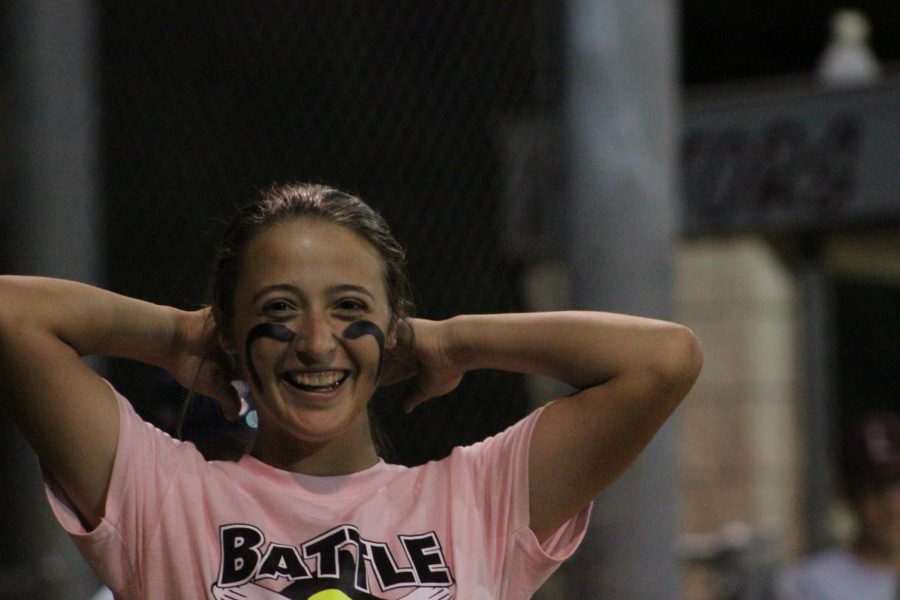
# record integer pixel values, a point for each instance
(790, 274)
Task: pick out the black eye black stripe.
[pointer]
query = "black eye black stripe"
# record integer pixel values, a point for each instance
(358, 329)
(279, 332)
(276, 331)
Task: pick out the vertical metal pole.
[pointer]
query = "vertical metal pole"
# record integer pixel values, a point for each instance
(55, 124)
(621, 113)
(817, 388)
(55, 231)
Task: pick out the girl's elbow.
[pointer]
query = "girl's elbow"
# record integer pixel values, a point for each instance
(694, 352)
(682, 358)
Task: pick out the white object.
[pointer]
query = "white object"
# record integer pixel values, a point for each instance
(848, 59)
(103, 594)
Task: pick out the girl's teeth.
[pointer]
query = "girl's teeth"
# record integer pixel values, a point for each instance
(318, 379)
(324, 381)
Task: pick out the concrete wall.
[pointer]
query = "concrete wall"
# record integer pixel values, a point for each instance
(739, 450)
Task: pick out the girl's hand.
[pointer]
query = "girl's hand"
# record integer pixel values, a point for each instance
(422, 352)
(198, 363)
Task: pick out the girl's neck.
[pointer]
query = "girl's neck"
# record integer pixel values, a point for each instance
(335, 457)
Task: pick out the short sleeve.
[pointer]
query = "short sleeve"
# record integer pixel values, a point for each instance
(499, 466)
(145, 460)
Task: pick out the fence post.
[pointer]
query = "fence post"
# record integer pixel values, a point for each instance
(622, 149)
(53, 230)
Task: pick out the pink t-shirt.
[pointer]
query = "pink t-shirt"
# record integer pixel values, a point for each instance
(178, 526)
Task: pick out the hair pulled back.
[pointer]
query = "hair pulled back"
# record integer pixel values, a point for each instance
(311, 201)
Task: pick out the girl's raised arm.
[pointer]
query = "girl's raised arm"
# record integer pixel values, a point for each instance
(67, 413)
(630, 373)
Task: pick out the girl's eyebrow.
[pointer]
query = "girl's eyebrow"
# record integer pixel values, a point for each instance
(348, 287)
(287, 287)
(282, 287)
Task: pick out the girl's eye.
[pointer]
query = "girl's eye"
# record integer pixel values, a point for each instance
(352, 305)
(276, 307)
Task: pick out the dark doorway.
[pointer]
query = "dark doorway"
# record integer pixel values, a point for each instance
(868, 348)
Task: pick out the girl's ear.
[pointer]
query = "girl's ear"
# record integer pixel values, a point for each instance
(223, 333)
(225, 355)
(225, 343)
(401, 334)
(391, 341)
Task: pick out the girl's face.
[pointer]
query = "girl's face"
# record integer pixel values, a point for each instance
(311, 323)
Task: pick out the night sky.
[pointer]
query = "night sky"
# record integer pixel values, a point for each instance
(747, 39)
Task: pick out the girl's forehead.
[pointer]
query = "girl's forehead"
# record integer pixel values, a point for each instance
(307, 249)
(312, 239)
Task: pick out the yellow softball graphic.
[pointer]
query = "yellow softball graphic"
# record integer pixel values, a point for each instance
(329, 595)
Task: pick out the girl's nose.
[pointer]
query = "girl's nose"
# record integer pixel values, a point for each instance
(315, 341)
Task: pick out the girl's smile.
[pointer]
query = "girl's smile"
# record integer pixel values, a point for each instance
(318, 382)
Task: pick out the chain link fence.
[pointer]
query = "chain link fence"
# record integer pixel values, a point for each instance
(402, 102)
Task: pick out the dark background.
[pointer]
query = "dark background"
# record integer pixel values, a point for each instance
(868, 330)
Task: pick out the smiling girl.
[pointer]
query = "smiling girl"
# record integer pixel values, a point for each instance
(310, 310)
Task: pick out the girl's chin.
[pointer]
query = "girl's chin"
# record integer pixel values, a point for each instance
(316, 427)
